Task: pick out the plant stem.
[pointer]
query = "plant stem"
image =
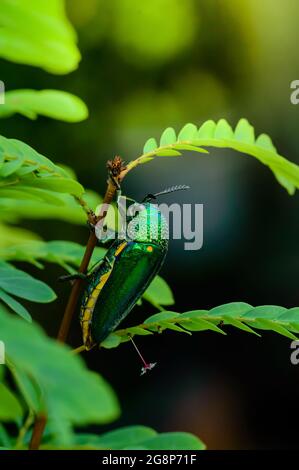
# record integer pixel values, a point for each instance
(116, 169)
(79, 349)
(38, 430)
(23, 430)
(91, 244)
(75, 292)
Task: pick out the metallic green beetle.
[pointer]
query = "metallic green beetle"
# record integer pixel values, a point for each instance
(128, 268)
(123, 275)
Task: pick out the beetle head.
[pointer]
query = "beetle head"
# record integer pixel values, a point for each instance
(147, 223)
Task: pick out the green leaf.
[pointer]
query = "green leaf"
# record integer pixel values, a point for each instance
(231, 309)
(10, 167)
(15, 306)
(238, 324)
(55, 104)
(35, 194)
(112, 341)
(221, 135)
(5, 439)
(237, 314)
(171, 326)
(135, 330)
(158, 317)
(290, 318)
(223, 130)
(59, 432)
(192, 148)
(63, 253)
(28, 387)
(188, 132)
(167, 153)
(159, 292)
(244, 132)
(21, 284)
(206, 130)
(38, 33)
(51, 365)
(134, 438)
(199, 324)
(272, 326)
(10, 408)
(168, 137)
(24, 168)
(173, 441)
(150, 145)
(291, 315)
(12, 210)
(265, 142)
(60, 185)
(264, 311)
(117, 439)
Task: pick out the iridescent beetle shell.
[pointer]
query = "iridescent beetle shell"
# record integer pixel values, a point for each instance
(128, 268)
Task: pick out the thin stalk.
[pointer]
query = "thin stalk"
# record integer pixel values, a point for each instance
(38, 430)
(23, 430)
(79, 349)
(116, 168)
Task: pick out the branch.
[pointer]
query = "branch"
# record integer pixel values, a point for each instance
(38, 430)
(116, 168)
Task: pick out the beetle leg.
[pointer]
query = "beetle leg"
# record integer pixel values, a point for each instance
(91, 226)
(110, 264)
(71, 277)
(108, 261)
(91, 220)
(105, 259)
(113, 180)
(91, 269)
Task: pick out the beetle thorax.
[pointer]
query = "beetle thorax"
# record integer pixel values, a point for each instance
(148, 225)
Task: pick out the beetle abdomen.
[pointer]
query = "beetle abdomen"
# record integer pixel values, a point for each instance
(87, 309)
(133, 270)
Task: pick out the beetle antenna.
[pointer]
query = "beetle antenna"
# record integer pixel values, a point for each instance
(146, 365)
(180, 187)
(172, 189)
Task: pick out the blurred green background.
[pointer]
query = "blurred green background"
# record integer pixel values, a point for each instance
(152, 64)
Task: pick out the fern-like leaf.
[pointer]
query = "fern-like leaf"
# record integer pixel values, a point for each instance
(22, 168)
(221, 134)
(55, 104)
(39, 34)
(18, 204)
(237, 314)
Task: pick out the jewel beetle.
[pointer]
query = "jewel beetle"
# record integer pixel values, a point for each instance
(116, 284)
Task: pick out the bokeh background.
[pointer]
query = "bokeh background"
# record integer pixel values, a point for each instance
(150, 65)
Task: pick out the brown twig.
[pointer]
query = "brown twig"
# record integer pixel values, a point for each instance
(38, 430)
(117, 170)
(115, 167)
(75, 292)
